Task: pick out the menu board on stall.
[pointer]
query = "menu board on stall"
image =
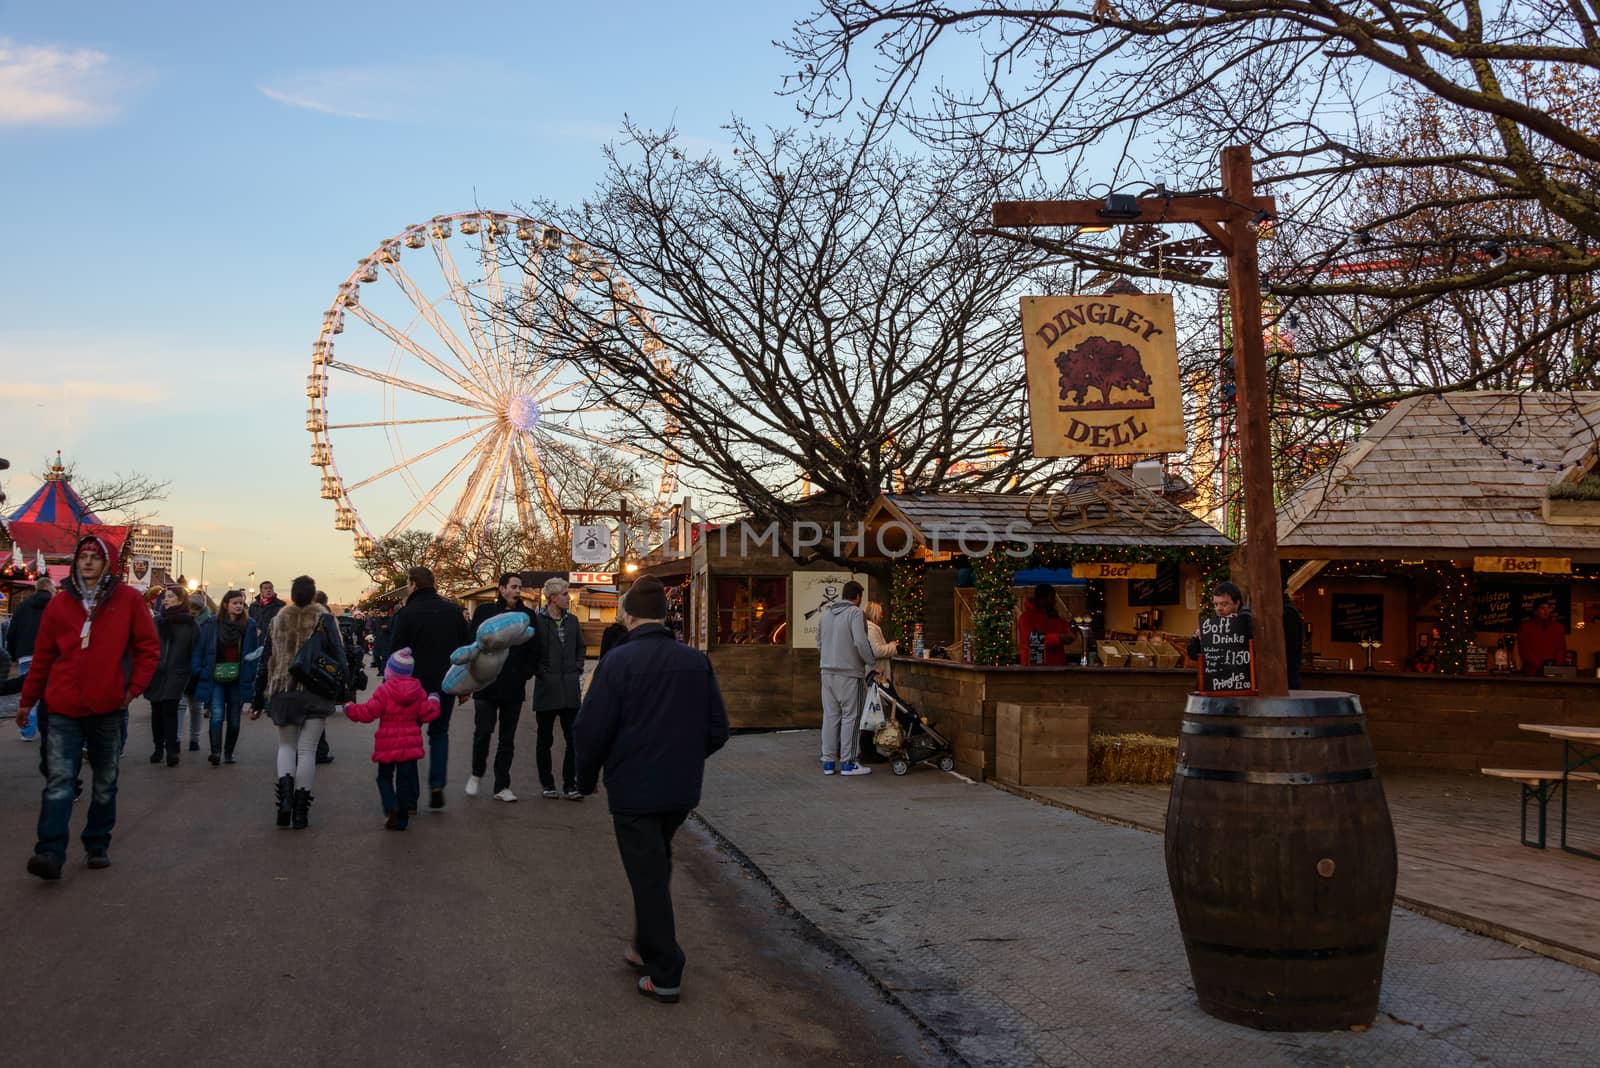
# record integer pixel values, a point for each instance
(1502, 606)
(1161, 590)
(1225, 661)
(1356, 617)
(1477, 662)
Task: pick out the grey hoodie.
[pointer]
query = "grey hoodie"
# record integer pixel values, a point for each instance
(842, 640)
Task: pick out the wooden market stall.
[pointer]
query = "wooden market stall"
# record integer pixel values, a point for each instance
(1425, 548)
(1132, 564)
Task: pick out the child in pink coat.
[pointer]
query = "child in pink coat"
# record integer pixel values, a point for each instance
(401, 706)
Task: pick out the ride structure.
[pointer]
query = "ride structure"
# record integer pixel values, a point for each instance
(473, 405)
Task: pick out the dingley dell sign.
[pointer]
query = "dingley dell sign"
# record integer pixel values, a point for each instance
(1102, 375)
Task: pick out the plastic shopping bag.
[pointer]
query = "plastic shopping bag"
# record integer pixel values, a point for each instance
(872, 709)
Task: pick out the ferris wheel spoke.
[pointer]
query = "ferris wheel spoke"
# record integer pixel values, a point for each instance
(595, 439)
(401, 383)
(519, 487)
(431, 315)
(413, 422)
(378, 323)
(499, 346)
(476, 452)
(461, 297)
(410, 460)
(490, 460)
(541, 480)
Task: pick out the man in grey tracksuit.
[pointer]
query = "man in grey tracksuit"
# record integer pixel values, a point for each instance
(846, 661)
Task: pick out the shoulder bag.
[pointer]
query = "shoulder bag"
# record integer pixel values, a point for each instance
(317, 668)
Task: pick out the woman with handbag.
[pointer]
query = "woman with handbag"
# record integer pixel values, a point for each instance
(883, 649)
(225, 667)
(177, 631)
(302, 680)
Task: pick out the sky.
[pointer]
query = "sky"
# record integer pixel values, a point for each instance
(189, 184)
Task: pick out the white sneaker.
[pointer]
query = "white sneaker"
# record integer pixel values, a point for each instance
(852, 768)
(472, 785)
(505, 795)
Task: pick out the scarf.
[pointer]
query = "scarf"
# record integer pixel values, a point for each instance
(229, 633)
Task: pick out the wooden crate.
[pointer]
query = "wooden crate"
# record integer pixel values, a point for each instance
(1041, 744)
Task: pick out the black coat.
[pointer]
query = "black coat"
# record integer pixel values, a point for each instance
(24, 629)
(511, 685)
(558, 674)
(432, 628)
(178, 633)
(653, 714)
(262, 614)
(614, 635)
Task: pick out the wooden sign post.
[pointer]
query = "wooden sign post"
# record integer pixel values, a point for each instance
(1230, 220)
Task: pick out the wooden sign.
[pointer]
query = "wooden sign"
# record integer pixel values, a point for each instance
(1102, 375)
(1501, 605)
(1113, 571)
(1225, 655)
(1523, 565)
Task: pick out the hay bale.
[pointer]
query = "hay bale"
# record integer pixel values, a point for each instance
(1132, 758)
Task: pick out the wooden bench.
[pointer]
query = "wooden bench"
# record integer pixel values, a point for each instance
(1537, 786)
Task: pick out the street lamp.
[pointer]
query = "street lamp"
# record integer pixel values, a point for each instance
(250, 582)
(202, 567)
(179, 550)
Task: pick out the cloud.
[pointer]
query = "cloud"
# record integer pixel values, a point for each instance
(50, 85)
(396, 92)
(76, 391)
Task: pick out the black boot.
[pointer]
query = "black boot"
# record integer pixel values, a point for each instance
(302, 809)
(285, 798)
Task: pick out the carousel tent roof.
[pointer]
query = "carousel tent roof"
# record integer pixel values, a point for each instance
(58, 503)
(1424, 482)
(54, 539)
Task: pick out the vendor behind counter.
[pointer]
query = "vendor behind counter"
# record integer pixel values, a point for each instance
(1041, 630)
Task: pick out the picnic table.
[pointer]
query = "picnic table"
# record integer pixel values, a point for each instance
(1580, 759)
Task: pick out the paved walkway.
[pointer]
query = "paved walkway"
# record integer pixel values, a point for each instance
(1029, 935)
(489, 935)
(1461, 859)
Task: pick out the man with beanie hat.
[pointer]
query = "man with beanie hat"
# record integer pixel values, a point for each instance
(96, 651)
(557, 684)
(652, 716)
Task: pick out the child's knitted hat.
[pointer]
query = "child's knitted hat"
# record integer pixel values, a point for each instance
(400, 662)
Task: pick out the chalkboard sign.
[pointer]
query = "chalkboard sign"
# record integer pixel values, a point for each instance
(1501, 606)
(1357, 616)
(1036, 647)
(1477, 660)
(1161, 590)
(1225, 665)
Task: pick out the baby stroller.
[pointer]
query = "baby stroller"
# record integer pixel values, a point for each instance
(919, 742)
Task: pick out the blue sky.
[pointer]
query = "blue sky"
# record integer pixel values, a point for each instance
(188, 184)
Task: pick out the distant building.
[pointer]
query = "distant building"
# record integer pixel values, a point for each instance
(154, 542)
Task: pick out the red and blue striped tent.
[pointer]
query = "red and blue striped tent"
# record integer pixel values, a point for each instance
(56, 503)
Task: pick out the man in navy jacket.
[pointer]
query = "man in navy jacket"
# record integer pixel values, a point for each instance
(652, 715)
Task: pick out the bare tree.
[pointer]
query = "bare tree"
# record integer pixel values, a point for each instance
(810, 312)
(1419, 152)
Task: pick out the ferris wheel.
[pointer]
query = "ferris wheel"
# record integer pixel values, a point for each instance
(432, 407)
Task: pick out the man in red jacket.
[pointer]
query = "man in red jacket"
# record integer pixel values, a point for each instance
(96, 651)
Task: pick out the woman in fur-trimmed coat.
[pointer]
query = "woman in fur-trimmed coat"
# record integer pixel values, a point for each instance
(300, 715)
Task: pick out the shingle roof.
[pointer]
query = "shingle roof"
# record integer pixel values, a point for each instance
(997, 512)
(1416, 482)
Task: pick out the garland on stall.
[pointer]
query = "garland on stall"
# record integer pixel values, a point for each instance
(908, 599)
(1454, 586)
(993, 642)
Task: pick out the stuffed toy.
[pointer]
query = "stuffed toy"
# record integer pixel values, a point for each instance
(477, 665)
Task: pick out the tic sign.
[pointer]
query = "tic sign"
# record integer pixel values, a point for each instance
(1225, 665)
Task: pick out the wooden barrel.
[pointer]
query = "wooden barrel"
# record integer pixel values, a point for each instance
(1281, 858)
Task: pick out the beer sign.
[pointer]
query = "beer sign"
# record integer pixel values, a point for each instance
(1102, 375)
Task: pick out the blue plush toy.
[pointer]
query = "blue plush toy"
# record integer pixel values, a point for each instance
(479, 664)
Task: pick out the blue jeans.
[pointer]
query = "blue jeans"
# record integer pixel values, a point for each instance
(398, 789)
(68, 737)
(439, 743)
(227, 702)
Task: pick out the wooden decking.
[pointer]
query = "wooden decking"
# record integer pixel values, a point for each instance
(1460, 859)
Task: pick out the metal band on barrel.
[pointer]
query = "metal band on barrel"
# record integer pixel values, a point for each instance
(1271, 708)
(1270, 730)
(1278, 778)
